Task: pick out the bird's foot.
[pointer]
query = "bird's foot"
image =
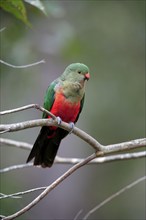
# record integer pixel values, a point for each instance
(72, 125)
(59, 120)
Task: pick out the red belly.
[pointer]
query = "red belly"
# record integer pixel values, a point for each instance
(65, 109)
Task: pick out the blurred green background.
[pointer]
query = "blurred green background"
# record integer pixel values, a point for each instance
(109, 37)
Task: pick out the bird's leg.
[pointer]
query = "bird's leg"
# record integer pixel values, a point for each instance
(72, 125)
(59, 120)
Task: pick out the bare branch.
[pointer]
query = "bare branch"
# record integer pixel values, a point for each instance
(2, 29)
(114, 195)
(83, 135)
(23, 66)
(62, 125)
(61, 160)
(51, 187)
(4, 131)
(111, 158)
(26, 124)
(49, 122)
(101, 150)
(19, 194)
(17, 144)
(36, 106)
(3, 196)
(15, 167)
(126, 145)
(78, 214)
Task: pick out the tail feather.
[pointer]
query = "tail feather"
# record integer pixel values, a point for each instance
(45, 148)
(40, 141)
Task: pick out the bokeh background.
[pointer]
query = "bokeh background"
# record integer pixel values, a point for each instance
(109, 37)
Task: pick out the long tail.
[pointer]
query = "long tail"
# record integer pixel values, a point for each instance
(45, 147)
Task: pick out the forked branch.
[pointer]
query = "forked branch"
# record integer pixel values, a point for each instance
(100, 150)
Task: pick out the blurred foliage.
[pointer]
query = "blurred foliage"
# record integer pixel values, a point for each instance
(18, 9)
(109, 37)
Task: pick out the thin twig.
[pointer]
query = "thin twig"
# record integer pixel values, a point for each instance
(61, 160)
(22, 66)
(78, 214)
(36, 106)
(4, 131)
(18, 194)
(2, 29)
(111, 158)
(51, 187)
(18, 144)
(3, 196)
(133, 143)
(113, 196)
(15, 167)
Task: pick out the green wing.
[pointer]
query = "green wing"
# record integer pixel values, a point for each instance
(81, 107)
(49, 97)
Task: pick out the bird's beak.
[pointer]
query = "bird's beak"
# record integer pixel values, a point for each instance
(87, 76)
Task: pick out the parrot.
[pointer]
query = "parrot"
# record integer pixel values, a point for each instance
(65, 99)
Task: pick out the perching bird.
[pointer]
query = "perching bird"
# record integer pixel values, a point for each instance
(64, 98)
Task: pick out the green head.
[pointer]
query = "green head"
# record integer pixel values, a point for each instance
(76, 72)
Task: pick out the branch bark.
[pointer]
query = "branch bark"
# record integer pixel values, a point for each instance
(61, 160)
(100, 150)
(22, 66)
(51, 187)
(18, 144)
(83, 135)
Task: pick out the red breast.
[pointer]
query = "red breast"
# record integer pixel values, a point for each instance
(65, 109)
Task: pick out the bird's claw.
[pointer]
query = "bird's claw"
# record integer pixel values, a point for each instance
(72, 125)
(59, 120)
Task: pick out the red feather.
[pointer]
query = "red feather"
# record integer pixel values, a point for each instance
(64, 108)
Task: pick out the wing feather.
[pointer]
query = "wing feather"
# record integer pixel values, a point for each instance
(49, 97)
(81, 107)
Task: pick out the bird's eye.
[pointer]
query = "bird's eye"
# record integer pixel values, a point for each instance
(79, 72)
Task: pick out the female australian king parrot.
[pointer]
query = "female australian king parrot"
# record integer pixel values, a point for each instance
(64, 98)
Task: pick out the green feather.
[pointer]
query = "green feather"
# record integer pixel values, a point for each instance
(81, 107)
(49, 97)
(70, 86)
